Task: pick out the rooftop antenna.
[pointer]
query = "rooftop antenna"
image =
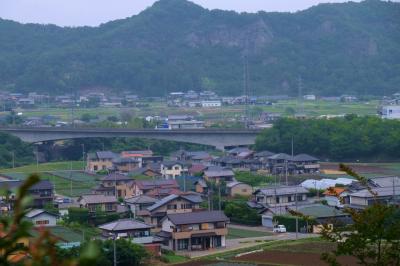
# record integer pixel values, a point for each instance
(301, 106)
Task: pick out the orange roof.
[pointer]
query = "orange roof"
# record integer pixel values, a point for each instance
(334, 191)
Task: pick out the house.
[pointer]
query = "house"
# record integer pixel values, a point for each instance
(280, 163)
(145, 171)
(137, 154)
(187, 183)
(238, 188)
(229, 162)
(193, 156)
(147, 186)
(170, 204)
(280, 195)
(238, 150)
(310, 97)
(116, 185)
(139, 203)
(324, 215)
(93, 202)
(201, 187)
(217, 174)
(137, 231)
(306, 164)
(196, 169)
(101, 160)
(40, 217)
(363, 198)
(125, 164)
(42, 192)
(211, 104)
(195, 230)
(334, 195)
(172, 169)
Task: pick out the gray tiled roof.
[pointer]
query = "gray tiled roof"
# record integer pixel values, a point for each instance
(381, 192)
(219, 173)
(124, 225)
(282, 190)
(141, 199)
(106, 155)
(163, 201)
(35, 212)
(197, 217)
(304, 158)
(94, 198)
(281, 156)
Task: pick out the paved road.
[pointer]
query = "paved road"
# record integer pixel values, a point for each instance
(233, 244)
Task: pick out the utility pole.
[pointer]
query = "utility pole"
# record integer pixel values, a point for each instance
(246, 89)
(13, 159)
(70, 177)
(297, 218)
(286, 172)
(219, 196)
(83, 156)
(115, 251)
(301, 106)
(37, 158)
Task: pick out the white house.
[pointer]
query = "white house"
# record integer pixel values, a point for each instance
(310, 97)
(211, 104)
(41, 217)
(390, 112)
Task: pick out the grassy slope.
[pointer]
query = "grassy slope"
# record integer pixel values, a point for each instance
(240, 233)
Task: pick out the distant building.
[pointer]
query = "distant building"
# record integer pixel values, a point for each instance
(310, 97)
(280, 195)
(390, 112)
(238, 188)
(211, 104)
(101, 160)
(170, 170)
(104, 203)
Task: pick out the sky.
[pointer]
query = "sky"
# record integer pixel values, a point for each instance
(95, 12)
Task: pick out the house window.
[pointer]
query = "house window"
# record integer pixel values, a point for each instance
(217, 241)
(172, 207)
(300, 198)
(103, 167)
(289, 198)
(277, 199)
(95, 168)
(187, 206)
(109, 207)
(183, 244)
(42, 222)
(176, 168)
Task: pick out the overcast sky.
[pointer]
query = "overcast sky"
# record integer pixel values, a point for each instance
(95, 12)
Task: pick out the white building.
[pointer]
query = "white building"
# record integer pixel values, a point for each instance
(390, 112)
(41, 218)
(310, 97)
(211, 104)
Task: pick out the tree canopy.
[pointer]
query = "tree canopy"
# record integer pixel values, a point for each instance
(348, 138)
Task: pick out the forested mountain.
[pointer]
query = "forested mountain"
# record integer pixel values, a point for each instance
(351, 48)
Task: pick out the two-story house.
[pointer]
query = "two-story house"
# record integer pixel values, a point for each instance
(101, 202)
(117, 185)
(201, 230)
(150, 186)
(306, 164)
(42, 193)
(218, 174)
(280, 195)
(139, 203)
(137, 231)
(125, 165)
(170, 170)
(170, 204)
(101, 160)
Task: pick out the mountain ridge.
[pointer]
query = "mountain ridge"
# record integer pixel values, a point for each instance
(177, 45)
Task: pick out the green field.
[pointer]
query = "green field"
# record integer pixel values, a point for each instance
(46, 167)
(310, 108)
(234, 233)
(65, 182)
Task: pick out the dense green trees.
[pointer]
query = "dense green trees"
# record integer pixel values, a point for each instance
(14, 151)
(176, 45)
(349, 138)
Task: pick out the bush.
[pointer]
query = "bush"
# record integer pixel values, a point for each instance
(240, 213)
(78, 215)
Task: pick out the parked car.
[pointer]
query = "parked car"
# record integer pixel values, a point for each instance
(279, 229)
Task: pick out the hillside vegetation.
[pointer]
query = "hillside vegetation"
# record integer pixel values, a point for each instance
(177, 45)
